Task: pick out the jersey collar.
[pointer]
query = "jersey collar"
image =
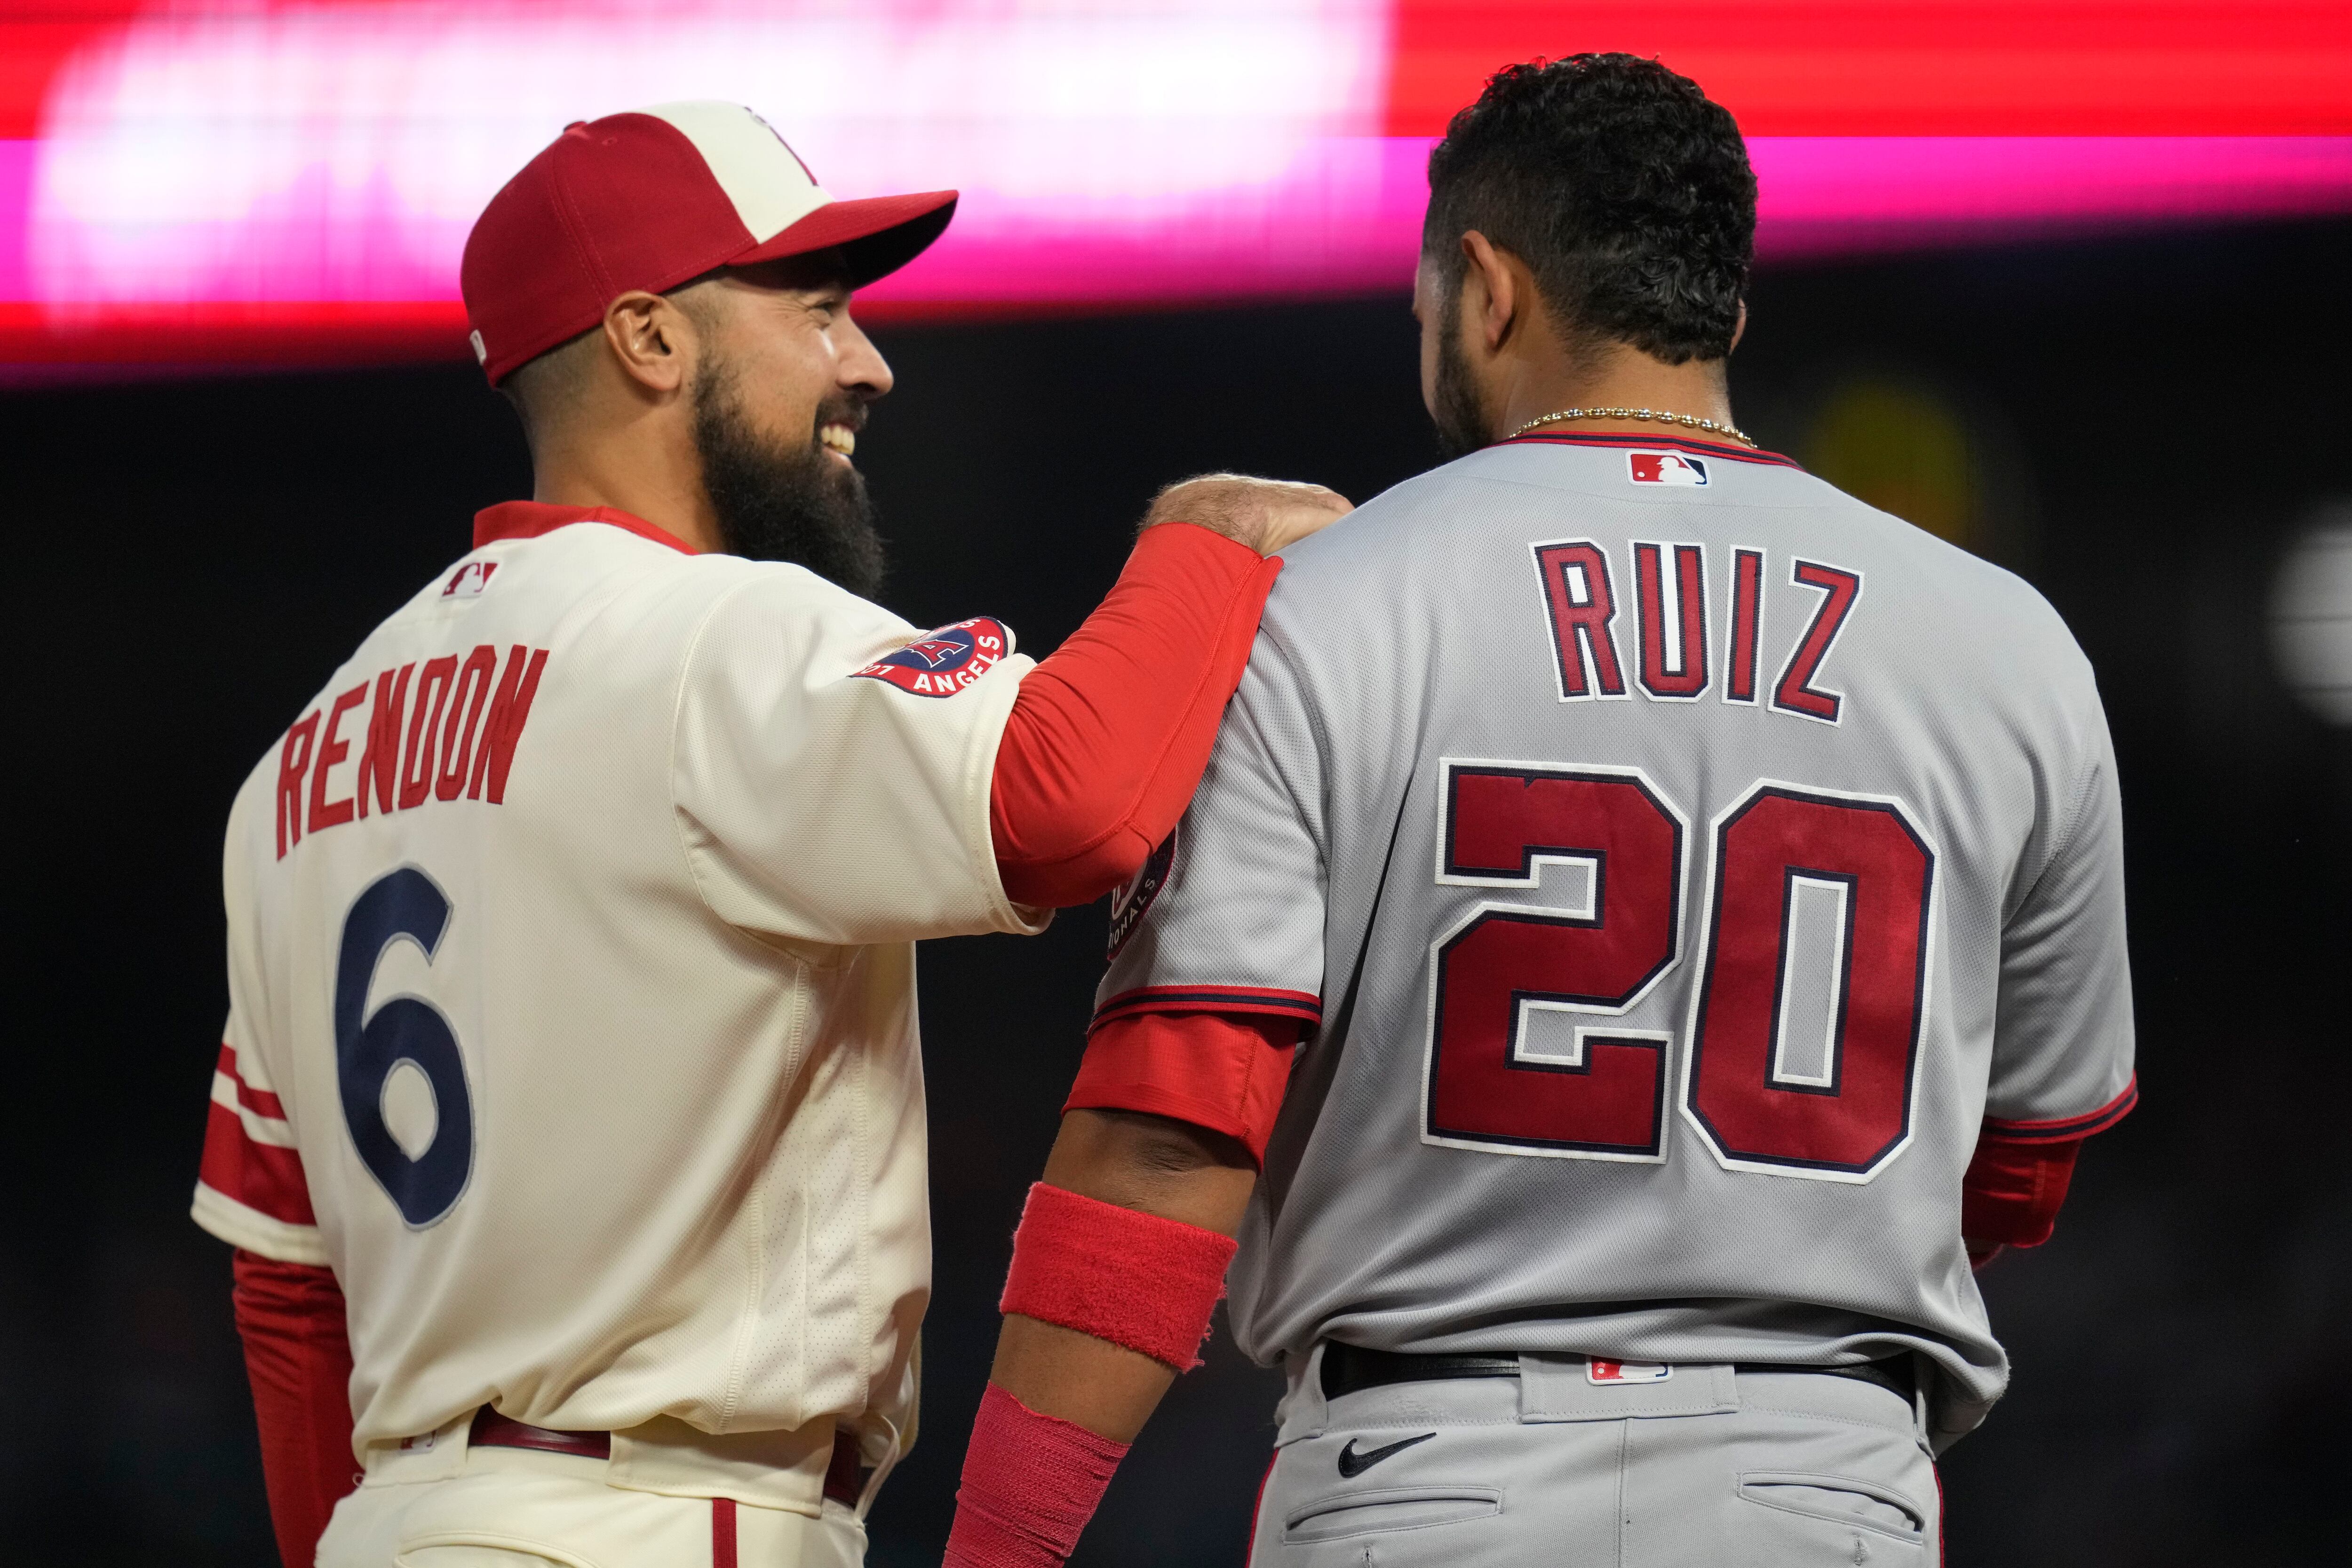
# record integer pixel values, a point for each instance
(1642, 441)
(528, 519)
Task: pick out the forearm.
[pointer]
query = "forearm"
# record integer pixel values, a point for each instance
(1133, 1246)
(1154, 1167)
(298, 1356)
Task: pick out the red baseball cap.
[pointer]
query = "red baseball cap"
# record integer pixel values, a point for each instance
(651, 199)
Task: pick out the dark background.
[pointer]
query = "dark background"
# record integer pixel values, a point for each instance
(2142, 425)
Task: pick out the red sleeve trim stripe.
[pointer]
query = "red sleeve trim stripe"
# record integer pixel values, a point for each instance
(1302, 1004)
(260, 1101)
(230, 1089)
(249, 1152)
(2065, 1127)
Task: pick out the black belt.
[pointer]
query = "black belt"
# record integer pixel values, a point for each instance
(845, 1479)
(1350, 1369)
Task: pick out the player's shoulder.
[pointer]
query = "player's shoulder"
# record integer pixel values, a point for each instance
(591, 582)
(1410, 517)
(1437, 542)
(582, 567)
(1973, 611)
(619, 612)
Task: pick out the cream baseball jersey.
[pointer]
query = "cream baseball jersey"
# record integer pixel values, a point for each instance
(1681, 862)
(572, 984)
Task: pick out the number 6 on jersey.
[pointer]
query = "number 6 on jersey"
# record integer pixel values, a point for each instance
(401, 906)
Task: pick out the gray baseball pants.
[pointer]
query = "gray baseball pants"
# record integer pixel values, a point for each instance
(1709, 1468)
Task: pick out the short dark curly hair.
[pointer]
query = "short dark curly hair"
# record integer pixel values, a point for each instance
(1624, 188)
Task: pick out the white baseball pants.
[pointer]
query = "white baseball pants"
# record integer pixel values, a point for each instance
(516, 1508)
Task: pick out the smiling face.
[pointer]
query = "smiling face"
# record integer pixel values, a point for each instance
(780, 393)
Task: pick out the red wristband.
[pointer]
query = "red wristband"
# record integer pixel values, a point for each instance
(1031, 1482)
(1133, 1279)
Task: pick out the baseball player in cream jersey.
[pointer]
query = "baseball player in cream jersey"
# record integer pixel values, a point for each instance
(569, 1121)
(1698, 897)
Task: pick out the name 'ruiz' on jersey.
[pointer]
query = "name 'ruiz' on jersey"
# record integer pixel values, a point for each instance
(1676, 659)
(1686, 863)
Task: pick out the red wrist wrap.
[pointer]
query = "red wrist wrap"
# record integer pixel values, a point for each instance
(1133, 1279)
(1030, 1484)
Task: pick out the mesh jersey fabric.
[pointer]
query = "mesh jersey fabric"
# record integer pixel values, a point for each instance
(1683, 871)
(677, 1167)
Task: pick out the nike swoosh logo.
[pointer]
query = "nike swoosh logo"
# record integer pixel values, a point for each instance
(1353, 1464)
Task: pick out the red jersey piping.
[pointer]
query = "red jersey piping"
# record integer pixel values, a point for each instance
(528, 519)
(1627, 438)
(1301, 1005)
(2067, 1127)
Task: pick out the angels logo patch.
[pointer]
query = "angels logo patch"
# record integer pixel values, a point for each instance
(942, 663)
(1129, 900)
(1666, 468)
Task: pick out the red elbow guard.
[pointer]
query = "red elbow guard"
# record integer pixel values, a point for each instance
(1135, 1280)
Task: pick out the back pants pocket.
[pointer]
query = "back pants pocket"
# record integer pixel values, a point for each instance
(1369, 1510)
(1839, 1500)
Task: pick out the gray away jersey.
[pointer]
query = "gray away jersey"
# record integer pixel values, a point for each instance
(1683, 862)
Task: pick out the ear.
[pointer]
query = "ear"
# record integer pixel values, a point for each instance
(1739, 328)
(654, 342)
(1490, 292)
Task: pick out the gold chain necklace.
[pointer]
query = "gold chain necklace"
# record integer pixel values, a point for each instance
(1692, 421)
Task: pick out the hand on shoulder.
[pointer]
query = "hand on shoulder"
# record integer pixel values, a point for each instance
(1268, 515)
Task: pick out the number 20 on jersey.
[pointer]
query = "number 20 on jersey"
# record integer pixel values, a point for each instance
(1809, 998)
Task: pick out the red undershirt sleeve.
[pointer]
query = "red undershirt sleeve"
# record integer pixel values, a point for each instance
(2012, 1190)
(2017, 1178)
(298, 1355)
(1224, 1071)
(1109, 734)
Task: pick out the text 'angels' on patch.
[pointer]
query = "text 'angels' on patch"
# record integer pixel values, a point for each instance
(942, 663)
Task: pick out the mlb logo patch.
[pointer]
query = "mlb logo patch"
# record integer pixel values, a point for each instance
(944, 662)
(468, 581)
(1666, 468)
(1612, 1373)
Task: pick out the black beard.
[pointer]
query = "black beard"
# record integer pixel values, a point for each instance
(1461, 423)
(780, 502)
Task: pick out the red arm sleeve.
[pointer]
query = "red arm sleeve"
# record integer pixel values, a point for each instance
(1109, 737)
(2012, 1190)
(2014, 1184)
(1224, 1071)
(299, 1357)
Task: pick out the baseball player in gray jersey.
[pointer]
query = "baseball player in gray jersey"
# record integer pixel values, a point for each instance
(1650, 921)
